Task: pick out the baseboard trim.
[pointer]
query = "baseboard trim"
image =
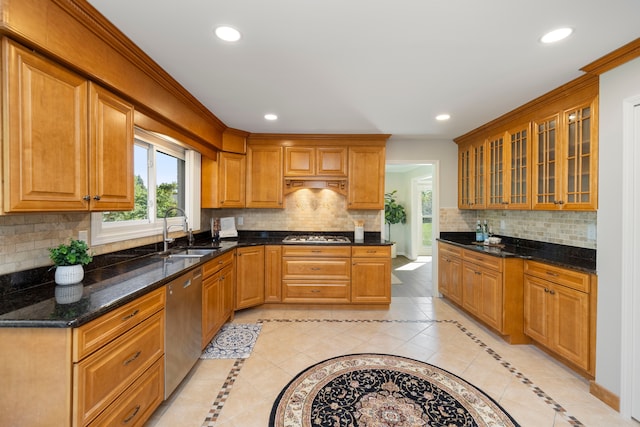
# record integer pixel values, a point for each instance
(605, 395)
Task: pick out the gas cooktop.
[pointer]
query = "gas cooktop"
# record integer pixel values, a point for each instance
(313, 238)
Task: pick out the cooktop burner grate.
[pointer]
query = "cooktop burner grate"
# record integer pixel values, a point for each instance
(313, 238)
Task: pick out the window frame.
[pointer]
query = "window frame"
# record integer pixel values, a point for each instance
(102, 233)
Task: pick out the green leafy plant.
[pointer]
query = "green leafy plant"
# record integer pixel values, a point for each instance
(76, 252)
(394, 212)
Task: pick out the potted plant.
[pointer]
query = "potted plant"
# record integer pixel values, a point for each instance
(69, 260)
(394, 213)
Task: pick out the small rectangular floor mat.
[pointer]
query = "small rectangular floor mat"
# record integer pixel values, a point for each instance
(233, 341)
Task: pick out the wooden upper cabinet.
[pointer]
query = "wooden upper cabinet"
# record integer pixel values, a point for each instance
(111, 151)
(264, 176)
(303, 161)
(57, 156)
(518, 170)
(231, 179)
(209, 175)
(496, 179)
(366, 177)
(471, 175)
(509, 174)
(45, 154)
(566, 164)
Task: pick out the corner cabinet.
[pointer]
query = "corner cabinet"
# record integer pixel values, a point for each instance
(366, 177)
(69, 143)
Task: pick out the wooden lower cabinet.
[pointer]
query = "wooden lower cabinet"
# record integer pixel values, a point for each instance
(371, 274)
(450, 272)
(486, 286)
(316, 274)
(272, 273)
(217, 295)
(560, 316)
(249, 276)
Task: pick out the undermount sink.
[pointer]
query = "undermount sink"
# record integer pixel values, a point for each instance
(187, 253)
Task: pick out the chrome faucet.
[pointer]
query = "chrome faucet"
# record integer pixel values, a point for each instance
(165, 230)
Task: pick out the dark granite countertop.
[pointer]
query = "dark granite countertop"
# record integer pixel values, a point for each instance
(572, 257)
(28, 299)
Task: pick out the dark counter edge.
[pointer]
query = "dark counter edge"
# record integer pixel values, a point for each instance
(21, 289)
(572, 257)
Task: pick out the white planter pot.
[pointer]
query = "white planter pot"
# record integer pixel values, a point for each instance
(69, 274)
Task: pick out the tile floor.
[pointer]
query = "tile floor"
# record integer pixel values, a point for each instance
(535, 389)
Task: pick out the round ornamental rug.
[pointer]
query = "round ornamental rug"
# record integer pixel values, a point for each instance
(380, 390)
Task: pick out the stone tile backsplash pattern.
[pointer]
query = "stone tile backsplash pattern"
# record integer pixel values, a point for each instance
(24, 239)
(565, 228)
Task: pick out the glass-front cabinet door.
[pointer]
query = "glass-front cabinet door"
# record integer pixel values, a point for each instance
(518, 172)
(496, 180)
(580, 163)
(546, 179)
(471, 175)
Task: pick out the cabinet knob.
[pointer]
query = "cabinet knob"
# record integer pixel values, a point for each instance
(86, 198)
(552, 292)
(96, 197)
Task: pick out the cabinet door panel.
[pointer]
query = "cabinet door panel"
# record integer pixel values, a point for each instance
(45, 151)
(546, 172)
(571, 326)
(491, 294)
(111, 151)
(264, 177)
(299, 161)
(249, 277)
(518, 187)
(471, 286)
(331, 161)
(371, 280)
(536, 310)
(366, 178)
(496, 181)
(231, 180)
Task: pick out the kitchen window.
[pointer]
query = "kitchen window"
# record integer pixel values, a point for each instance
(165, 175)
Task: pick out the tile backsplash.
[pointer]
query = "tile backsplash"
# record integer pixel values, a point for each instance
(24, 239)
(561, 227)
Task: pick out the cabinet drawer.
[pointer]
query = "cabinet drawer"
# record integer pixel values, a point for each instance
(316, 251)
(573, 279)
(313, 268)
(216, 264)
(315, 292)
(371, 251)
(102, 376)
(137, 403)
(95, 334)
(488, 261)
(449, 250)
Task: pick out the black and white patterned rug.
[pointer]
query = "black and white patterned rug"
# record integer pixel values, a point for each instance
(383, 390)
(233, 341)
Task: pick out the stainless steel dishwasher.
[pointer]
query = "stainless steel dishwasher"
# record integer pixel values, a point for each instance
(183, 329)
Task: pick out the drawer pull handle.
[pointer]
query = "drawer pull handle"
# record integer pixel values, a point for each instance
(551, 273)
(315, 291)
(132, 358)
(133, 414)
(371, 251)
(132, 314)
(315, 268)
(316, 252)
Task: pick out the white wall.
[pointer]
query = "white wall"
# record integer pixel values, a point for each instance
(615, 86)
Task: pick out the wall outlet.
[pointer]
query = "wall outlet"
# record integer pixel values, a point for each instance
(502, 225)
(240, 220)
(83, 235)
(591, 231)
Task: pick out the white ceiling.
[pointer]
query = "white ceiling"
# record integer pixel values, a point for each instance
(371, 66)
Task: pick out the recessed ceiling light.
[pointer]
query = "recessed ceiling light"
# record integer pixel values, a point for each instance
(270, 117)
(556, 35)
(228, 34)
(442, 117)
